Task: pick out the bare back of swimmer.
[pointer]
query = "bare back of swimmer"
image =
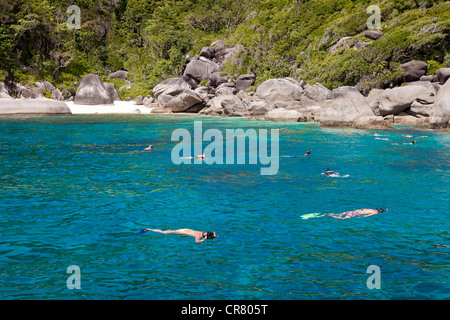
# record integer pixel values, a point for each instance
(150, 147)
(360, 212)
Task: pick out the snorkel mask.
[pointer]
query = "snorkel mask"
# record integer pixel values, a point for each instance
(210, 235)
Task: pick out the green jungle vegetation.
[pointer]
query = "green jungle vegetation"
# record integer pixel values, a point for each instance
(276, 38)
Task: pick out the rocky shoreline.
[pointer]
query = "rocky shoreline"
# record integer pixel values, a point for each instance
(421, 101)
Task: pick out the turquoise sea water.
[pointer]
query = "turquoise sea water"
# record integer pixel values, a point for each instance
(74, 190)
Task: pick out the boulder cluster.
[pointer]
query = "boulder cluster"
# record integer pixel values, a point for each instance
(42, 99)
(422, 100)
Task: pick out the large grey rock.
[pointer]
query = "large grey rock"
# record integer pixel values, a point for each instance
(441, 115)
(176, 95)
(57, 95)
(426, 78)
(372, 122)
(37, 90)
(218, 45)
(373, 96)
(201, 69)
(203, 92)
(181, 101)
(344, 106)
(120, 74)
(5, 96)
(246, 97)
(191, 82)
(314, 95)
(285, 89)
(227, 88)
(417, 108)
(226, 105)
(258, 108)
(372, 34)
(24, 92)
(160, 110)
(170, 86)
(207, 52)
(36, 93)
(213, 109)
(139, 101)
(215, 79)
(148, 101)
(32, 107)
(284, 115)
(28, 92)
(4, 92)
(245, 81)
(414, 70)
(396, 100)
(312, 99)
(406, 120)
(111, 89)
(222, 53)
(442, 75)
(233, 106)
(45, 86)
(91, 91)
(426, 84)
(360, 45)
(290, 105)
(437, 86)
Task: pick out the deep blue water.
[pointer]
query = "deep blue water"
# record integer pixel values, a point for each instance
(74, 190)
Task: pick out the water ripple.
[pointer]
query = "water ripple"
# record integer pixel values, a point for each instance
(74, 190)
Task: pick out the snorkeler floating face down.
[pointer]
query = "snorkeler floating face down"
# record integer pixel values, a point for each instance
(356, 213)
(199, 236)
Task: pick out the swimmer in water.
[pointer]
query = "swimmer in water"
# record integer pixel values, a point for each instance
(150, 147)
(200, 157)
(308, 152)
(330, 172)
(199, 236)
(360, 212)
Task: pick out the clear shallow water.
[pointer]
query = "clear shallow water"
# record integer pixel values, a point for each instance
(75, 189)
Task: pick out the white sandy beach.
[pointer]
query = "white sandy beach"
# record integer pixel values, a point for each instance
(119, 107)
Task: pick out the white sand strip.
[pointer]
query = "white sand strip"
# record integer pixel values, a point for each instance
(119, 107)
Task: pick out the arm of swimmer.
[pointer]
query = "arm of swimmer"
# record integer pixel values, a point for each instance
(200, 240)
(369, 214)
(337, 216)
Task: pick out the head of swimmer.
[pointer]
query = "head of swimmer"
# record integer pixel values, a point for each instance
(210, 235)
(380, 210)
